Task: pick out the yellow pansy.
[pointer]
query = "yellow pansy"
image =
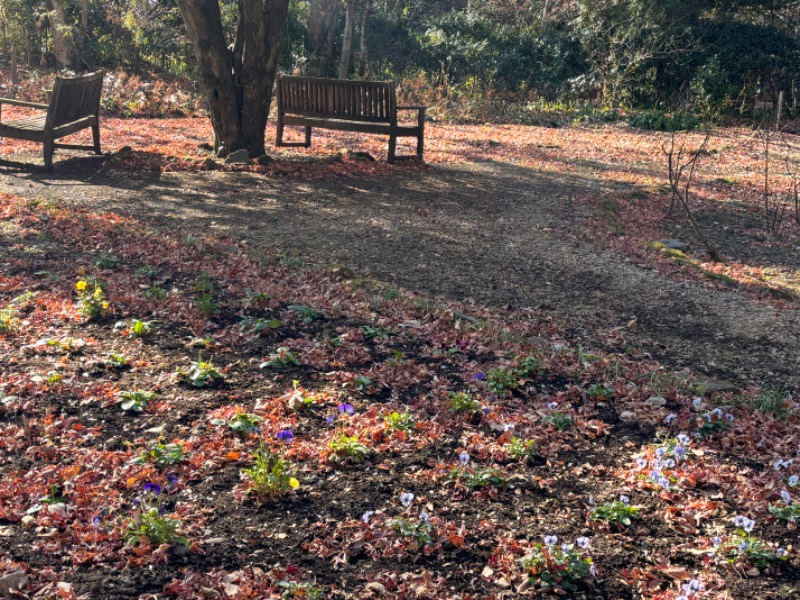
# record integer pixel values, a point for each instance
(293, 483)
(80, 286)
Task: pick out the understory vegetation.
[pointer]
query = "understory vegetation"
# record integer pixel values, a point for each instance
(511, 60)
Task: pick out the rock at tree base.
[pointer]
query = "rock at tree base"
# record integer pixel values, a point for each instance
(238, 157)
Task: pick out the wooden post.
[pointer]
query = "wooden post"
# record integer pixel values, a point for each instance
(780, 109)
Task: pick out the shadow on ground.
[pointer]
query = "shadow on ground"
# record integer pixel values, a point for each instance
(493, 232)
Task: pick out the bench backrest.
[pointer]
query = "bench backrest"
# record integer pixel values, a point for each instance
(372, 101)
(75, 98)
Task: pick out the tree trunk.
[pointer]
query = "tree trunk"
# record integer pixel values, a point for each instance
(14, 64)
(322, 17)
(58, 19)
(362, 46)
(347, 41)
(238, 82)
(83, 35)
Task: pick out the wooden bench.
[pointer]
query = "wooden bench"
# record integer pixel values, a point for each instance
(363, 106)
(74, 104)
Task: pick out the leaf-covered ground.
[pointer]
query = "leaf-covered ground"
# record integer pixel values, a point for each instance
(419, 449)
(435, 445)
(727, 195)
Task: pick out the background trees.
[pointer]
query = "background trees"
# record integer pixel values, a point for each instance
(720, 55)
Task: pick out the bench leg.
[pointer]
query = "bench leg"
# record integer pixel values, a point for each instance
(392, 148)
(420, 146)
(96, 138)
(279, 134)
(308, 137)
(48, 155)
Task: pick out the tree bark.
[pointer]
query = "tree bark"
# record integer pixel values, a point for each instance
(322, 17)
(238, 82)
(362, 46)
(347, 40)
(14, 64)
(58, 20)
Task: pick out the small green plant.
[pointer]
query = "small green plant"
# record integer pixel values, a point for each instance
(396, 421)
(397, 358)
(391, 294)
(362, 383)
(348, 448)
(479, 477)
(207, 305)
(147, 272)
(616, 512)
(306, 314)
(201, 374)
(283, 357)
(242, 424)
(528, 366)
(134, 400)
(25, 300)
(463, 402)
(271, 476)
(334, 342)
(118, 361)
(148, 521)
(502, 380)
(55, 495)
(107, 261)
(259, 324)
(519, 449)
(204, 284)
(91, 303)
(743, 546)
(8, 321)
(54, 377)
(420, 530)
(155, 292)
(140, 329)
(553, 566)
(300, 589)
(257, 297)
(715, 421)
(777, 403)
(161, 455)
(598, 391)
(558, 420)
(788, 511)
(374, 332)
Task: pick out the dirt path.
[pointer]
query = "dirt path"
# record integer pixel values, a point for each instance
(496, 233)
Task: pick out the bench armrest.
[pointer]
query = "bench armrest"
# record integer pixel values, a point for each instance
(23, 103)
(420, 112)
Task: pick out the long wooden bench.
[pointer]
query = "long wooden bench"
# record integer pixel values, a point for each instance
(362, 106)
(74, 105)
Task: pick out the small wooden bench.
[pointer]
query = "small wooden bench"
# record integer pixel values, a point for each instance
(362, 106)
(74, 104)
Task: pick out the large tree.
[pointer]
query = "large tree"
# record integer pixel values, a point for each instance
(238, 79)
